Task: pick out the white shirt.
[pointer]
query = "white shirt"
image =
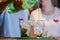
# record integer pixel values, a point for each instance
(51, 26)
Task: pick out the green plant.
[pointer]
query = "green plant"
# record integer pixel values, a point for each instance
(23, 32)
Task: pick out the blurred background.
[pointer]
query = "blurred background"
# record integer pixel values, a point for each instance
(26, 5)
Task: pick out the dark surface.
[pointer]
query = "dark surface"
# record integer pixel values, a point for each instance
(59, 3)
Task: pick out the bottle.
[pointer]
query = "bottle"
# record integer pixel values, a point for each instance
(31, 32)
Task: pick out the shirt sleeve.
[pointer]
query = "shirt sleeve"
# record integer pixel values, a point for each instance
(2, 17)
(57, 10)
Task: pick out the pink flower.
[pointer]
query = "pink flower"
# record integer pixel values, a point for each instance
(20, 19)
(55, 20)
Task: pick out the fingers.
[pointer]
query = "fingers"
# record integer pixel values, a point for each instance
(40, 0)
(16, 1)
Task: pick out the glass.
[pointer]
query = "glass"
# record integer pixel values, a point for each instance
(39, 26)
